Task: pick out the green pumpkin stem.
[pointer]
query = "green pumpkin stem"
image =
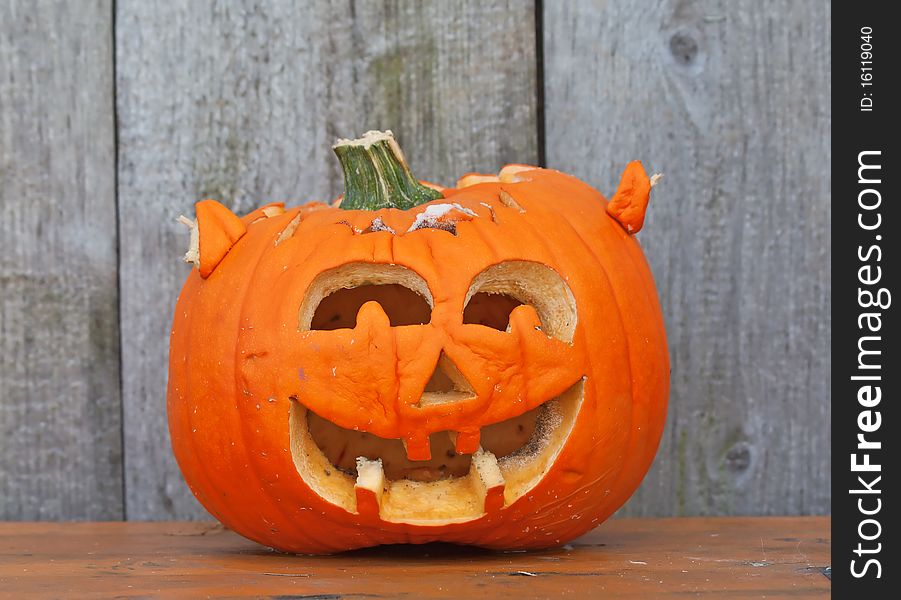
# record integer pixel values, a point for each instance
(377, 176)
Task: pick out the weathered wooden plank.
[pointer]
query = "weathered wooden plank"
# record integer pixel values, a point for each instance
(240, 102)
(762, 557)
(60, 438)
(732, 102)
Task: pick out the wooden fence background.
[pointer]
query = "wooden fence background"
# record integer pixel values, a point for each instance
(116, 116)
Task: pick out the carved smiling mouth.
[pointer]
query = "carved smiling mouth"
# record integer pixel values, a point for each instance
(370, 475)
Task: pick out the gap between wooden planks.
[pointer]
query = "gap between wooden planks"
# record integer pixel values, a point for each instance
(630, 558)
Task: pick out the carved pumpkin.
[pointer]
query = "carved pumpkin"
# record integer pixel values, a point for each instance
(482, 365)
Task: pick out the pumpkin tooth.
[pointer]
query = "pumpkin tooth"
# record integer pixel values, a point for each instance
(369, 486)
(465, 442)
(417, 447)
(487, 480)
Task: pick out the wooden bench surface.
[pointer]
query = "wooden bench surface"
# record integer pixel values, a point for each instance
(771, 557)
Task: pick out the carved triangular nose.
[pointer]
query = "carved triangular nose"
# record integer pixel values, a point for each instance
(447, 384)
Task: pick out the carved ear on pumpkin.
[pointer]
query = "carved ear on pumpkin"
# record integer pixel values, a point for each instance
(630, 202)
(213, 234)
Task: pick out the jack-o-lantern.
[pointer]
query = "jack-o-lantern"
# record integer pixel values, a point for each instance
(482, 365)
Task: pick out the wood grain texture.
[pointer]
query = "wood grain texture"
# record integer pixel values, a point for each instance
(626, 558)
(60, 439)
(241, 102)
(730, 100)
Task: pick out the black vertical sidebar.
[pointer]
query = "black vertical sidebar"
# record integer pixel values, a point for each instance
(866, 364)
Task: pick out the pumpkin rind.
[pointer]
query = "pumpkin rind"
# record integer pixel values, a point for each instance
(238, 357)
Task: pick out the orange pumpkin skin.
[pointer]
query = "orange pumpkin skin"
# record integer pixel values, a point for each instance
(237, 351)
